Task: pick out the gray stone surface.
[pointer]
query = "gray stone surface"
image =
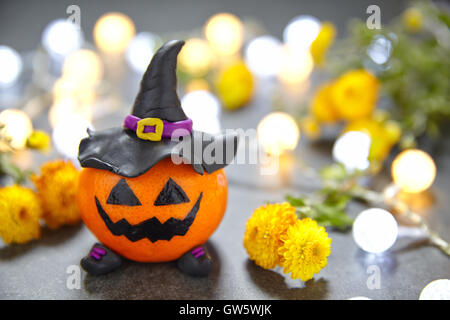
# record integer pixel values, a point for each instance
(38, 270)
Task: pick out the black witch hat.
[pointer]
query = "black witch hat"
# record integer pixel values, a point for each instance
(148, 133)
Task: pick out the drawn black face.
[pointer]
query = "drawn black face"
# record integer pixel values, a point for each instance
(153, 229)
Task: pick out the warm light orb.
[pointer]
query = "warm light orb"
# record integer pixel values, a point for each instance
(413, 171)
(66, 107)
(301, 32)
(196, 57)
(352, 150)
(83, 67)
(68, 134)
(204, 109)
(141, 50)
(10, 66)
(197, 85)
(278, 132)
(113, 31)
(375, 230)
(296, 66)
(16, 126)
(264, 56)
(224, 32)
(436, 290)
(67, 87)
(62, 37)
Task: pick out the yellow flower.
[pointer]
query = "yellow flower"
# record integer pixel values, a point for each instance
(413, 20)
(311, 127)
(57, 189)
(20, 211)
(305, 249)
(263, 231)
(234, 86)
(355, 94)
(383, 134)
(322, 106)
(324, 40)
(38, 140)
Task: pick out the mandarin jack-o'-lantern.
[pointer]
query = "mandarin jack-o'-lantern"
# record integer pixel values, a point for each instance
(146, 190)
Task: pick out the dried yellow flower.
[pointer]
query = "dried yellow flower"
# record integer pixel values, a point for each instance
(57, 189)
(20, 211)
(234, 86)
(38, 140)
(264, 230)
(354, 94)
(322, 43)
(305, 249)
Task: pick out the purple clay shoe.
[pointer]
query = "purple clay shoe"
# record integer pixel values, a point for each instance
(196, 262)
(100, 260)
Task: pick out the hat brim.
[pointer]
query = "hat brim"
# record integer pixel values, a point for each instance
(120, 151)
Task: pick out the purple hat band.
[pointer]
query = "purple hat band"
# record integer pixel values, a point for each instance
(154, 129)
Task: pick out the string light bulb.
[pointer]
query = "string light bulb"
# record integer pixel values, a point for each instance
(203, 108)
(278, 132)
(436, 290)
(352, 150)
(62, 37)
(16, 127)
(67, 135)
(375, 230)
(141, 50)
(196, 57)
(10, 66)
(413, 171)
(113, 31)
(224, 32)
(301, 31)
(83, 67)
(264, 56)
(296, 66)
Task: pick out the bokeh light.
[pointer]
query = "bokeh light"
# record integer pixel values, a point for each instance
(278, 132)
(375, 230)
(436, 290)
(352, 150)
(16, 127)
(413, 171)
(204, 109)
(141, 50)
(68, 134)
(301, 32)
(62, 37)
(196, 85)
(66, 107)
(83, 67)
(224, 32)
(113, 31)
(10, 66)
(380, 50)
(296, 66)
(196, 57)
(264, 56)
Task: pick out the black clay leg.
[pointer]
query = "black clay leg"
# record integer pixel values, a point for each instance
(100, 260)
(196, 262)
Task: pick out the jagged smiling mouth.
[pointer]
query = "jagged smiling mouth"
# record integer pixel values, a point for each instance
(152, 228)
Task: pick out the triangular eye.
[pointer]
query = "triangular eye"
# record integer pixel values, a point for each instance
(122, 194)
(172, 193)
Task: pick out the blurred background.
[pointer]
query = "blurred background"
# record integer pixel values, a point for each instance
(352, 97)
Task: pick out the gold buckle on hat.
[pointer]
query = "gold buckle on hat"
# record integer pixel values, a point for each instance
(150, 122)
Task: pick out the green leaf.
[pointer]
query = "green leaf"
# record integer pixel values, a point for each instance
(296, 202)
(336, 172)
